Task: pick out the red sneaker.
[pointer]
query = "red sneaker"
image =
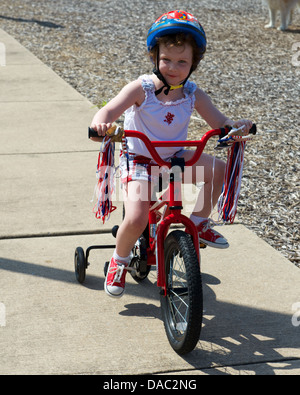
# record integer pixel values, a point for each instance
(209, 236)
(115, 278)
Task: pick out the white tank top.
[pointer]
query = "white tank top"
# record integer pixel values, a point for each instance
(158, 120)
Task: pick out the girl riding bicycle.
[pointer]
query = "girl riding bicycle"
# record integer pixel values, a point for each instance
(160, 105)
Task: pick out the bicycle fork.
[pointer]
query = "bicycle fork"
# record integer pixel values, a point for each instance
(158, 231)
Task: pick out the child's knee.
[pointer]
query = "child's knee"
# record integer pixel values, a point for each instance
(136, 223)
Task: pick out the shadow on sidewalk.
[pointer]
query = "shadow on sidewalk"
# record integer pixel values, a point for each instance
(233, 336)
(92, 281)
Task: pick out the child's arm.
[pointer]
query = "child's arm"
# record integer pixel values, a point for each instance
(131, 94)
(213, 116)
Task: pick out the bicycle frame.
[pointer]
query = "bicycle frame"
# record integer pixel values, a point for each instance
(171, 199)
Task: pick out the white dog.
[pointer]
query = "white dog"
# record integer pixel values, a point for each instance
(286, 9)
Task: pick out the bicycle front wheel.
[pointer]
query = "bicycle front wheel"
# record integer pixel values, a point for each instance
(182, 307)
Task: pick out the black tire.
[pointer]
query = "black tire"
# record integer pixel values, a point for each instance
(80, 265)
(182, 307)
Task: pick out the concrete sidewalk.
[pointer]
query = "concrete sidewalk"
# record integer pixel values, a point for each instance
(49, 324)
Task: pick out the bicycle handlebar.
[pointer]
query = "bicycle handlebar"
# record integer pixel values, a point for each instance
(151, 145)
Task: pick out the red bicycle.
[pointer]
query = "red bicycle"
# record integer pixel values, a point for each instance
(175, 252)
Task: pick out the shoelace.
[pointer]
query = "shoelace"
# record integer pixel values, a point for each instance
(119, 272)
(209, 223)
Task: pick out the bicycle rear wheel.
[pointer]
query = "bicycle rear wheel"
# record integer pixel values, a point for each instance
(182, 307)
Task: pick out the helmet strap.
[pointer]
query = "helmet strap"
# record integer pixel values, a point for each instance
(165, 84)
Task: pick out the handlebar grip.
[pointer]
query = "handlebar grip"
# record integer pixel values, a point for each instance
(92, 133)
(115, 133)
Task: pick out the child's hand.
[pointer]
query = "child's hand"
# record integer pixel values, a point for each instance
(243, 122)
(101, 128)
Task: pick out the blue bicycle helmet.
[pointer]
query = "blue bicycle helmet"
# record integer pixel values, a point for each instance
(171, 23)
(177, 22)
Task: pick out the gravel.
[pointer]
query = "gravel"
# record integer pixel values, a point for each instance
(99, 46)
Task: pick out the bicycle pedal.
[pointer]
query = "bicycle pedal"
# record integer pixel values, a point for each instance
(130, 269)
(202, 245)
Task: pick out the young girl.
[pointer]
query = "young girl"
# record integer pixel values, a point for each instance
(160, 105)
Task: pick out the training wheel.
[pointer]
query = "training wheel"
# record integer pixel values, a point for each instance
(80, 265)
